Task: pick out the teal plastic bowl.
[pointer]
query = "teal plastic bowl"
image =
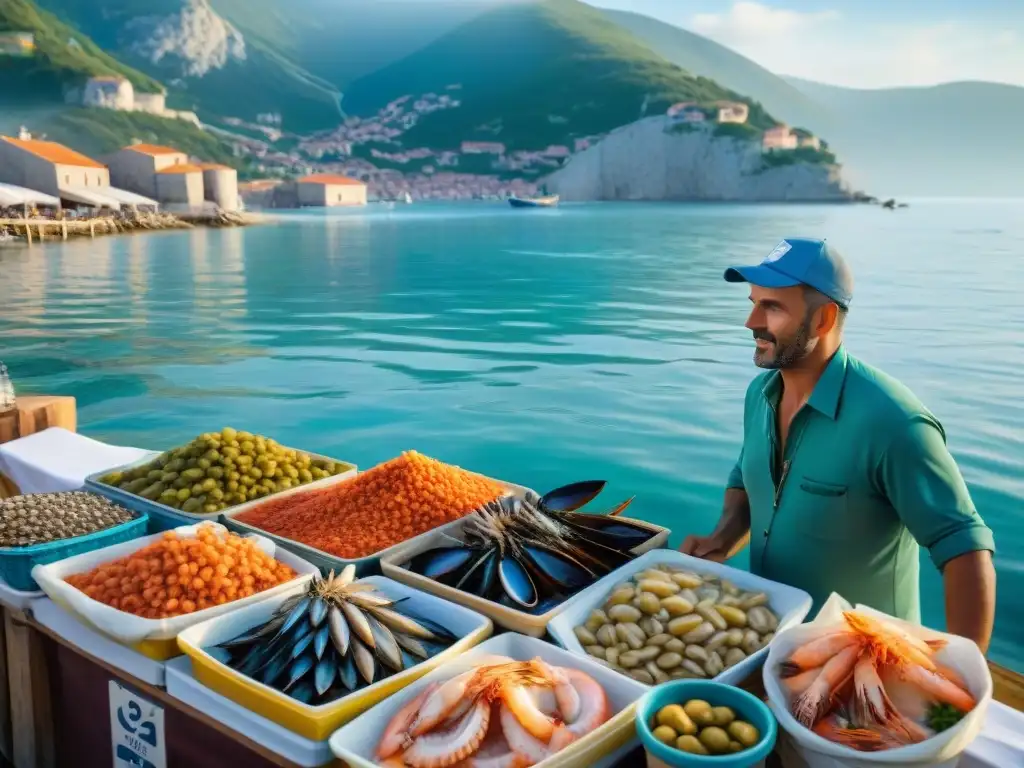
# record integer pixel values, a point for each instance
(746, 706)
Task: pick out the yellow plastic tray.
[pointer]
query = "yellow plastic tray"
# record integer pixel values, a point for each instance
(317, 723)
(533, 625)
(356, 742)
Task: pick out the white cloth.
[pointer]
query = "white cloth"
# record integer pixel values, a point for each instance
(1001, 741)
(59, 460)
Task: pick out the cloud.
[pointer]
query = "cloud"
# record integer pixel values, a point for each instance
(865, 52)
(747, 21)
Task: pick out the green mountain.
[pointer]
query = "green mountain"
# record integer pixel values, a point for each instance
(343, 40)
(529, 75)
(955, 139)
(210, 64)
(64, 58)
(704, 57)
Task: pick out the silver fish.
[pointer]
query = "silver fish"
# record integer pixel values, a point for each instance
(298, 670)
(412, 645)
(370, 600)
(385, 645)
(320, 641)
(347, 576)
(357, 621)
(401, 623)
(364, 660)
(317, 611)
(339, 630)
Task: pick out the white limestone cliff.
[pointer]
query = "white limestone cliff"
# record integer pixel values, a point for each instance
(647, 160)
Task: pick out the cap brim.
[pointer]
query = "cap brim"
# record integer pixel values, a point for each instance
(761, 275)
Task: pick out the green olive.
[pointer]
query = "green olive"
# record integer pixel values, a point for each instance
(665, 735)
(692, 745)
(744, 733)
(700, 712)
(723, 716)
(676, 718)
(715, 739)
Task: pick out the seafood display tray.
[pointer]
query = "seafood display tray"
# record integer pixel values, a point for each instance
(789, 604)
(355, 743)
(365, 566)
(163, 517)
(183, 686)
(154, 638)
(533, 625)
(317, 723)
(16, 563)
(89, 641)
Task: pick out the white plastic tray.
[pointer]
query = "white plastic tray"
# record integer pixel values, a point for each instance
(791, 605)
(182, 685)
(356, 742)
(72, 629)
(15, 598)
(129, 628)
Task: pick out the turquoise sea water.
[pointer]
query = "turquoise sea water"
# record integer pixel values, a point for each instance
(541, 347)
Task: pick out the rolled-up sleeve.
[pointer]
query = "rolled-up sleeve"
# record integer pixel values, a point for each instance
(736, 476)
(924, 485)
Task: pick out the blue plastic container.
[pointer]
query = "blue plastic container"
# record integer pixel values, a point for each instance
(746, 706)
(16, 563)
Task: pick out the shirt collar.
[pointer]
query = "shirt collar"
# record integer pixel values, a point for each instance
(828, 390)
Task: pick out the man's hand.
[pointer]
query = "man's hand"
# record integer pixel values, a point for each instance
(705, 547)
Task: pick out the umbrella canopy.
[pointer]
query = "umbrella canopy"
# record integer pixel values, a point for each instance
(12, 194)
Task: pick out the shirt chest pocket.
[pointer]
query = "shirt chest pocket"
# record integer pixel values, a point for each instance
(821, 510)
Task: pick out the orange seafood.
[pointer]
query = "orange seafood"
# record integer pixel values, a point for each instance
(891, 644)
(873, 706)
(815, 653)
(503, 714)
(938, 687)
(814, 703)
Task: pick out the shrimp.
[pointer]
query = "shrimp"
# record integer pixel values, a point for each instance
(890, 643)
(938, 687)
(394, 737)
(519, 739)
(436, 707)
(590, 703)
(811, 705)
(446, 748)
(800, 683)
(495, 751)
(523, 705)
(875, 709)
(861, 739)
(816, 652)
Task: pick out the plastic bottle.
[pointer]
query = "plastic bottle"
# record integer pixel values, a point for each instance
(7, 402)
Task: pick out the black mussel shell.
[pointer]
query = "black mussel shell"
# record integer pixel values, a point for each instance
(558, 568)
(571, 497)
(612, 532)
(516, 582)
(472, 579)
(444, 565)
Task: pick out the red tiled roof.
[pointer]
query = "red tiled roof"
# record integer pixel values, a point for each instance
(153, 150)
(53, 152)
(182, 168)
(329, 178)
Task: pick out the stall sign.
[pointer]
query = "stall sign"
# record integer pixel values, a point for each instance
(136, 730)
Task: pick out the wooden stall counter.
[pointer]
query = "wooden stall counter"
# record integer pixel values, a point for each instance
(91, 700)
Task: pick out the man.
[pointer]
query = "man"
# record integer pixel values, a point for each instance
(843, 472)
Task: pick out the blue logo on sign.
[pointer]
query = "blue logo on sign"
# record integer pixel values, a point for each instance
(144, 731)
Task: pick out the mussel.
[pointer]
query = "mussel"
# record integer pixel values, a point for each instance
(335, 638)
(532, 553)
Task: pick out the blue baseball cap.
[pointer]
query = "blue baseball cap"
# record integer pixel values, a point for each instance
(800, 261)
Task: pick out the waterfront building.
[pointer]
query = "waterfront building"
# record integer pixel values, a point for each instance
(779, 137)
(329, 190)
(220, 186)
(136, 167)
(181, 185)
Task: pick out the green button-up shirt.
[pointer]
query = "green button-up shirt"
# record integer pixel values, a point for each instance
(866, 478)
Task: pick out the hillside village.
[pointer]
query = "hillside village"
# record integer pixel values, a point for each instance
(374, 150)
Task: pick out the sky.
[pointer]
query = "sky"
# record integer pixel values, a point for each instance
(860, 43)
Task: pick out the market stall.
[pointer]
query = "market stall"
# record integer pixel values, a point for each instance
(236, 601)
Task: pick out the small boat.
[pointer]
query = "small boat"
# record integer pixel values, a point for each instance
(549, 201)
(406, 198)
